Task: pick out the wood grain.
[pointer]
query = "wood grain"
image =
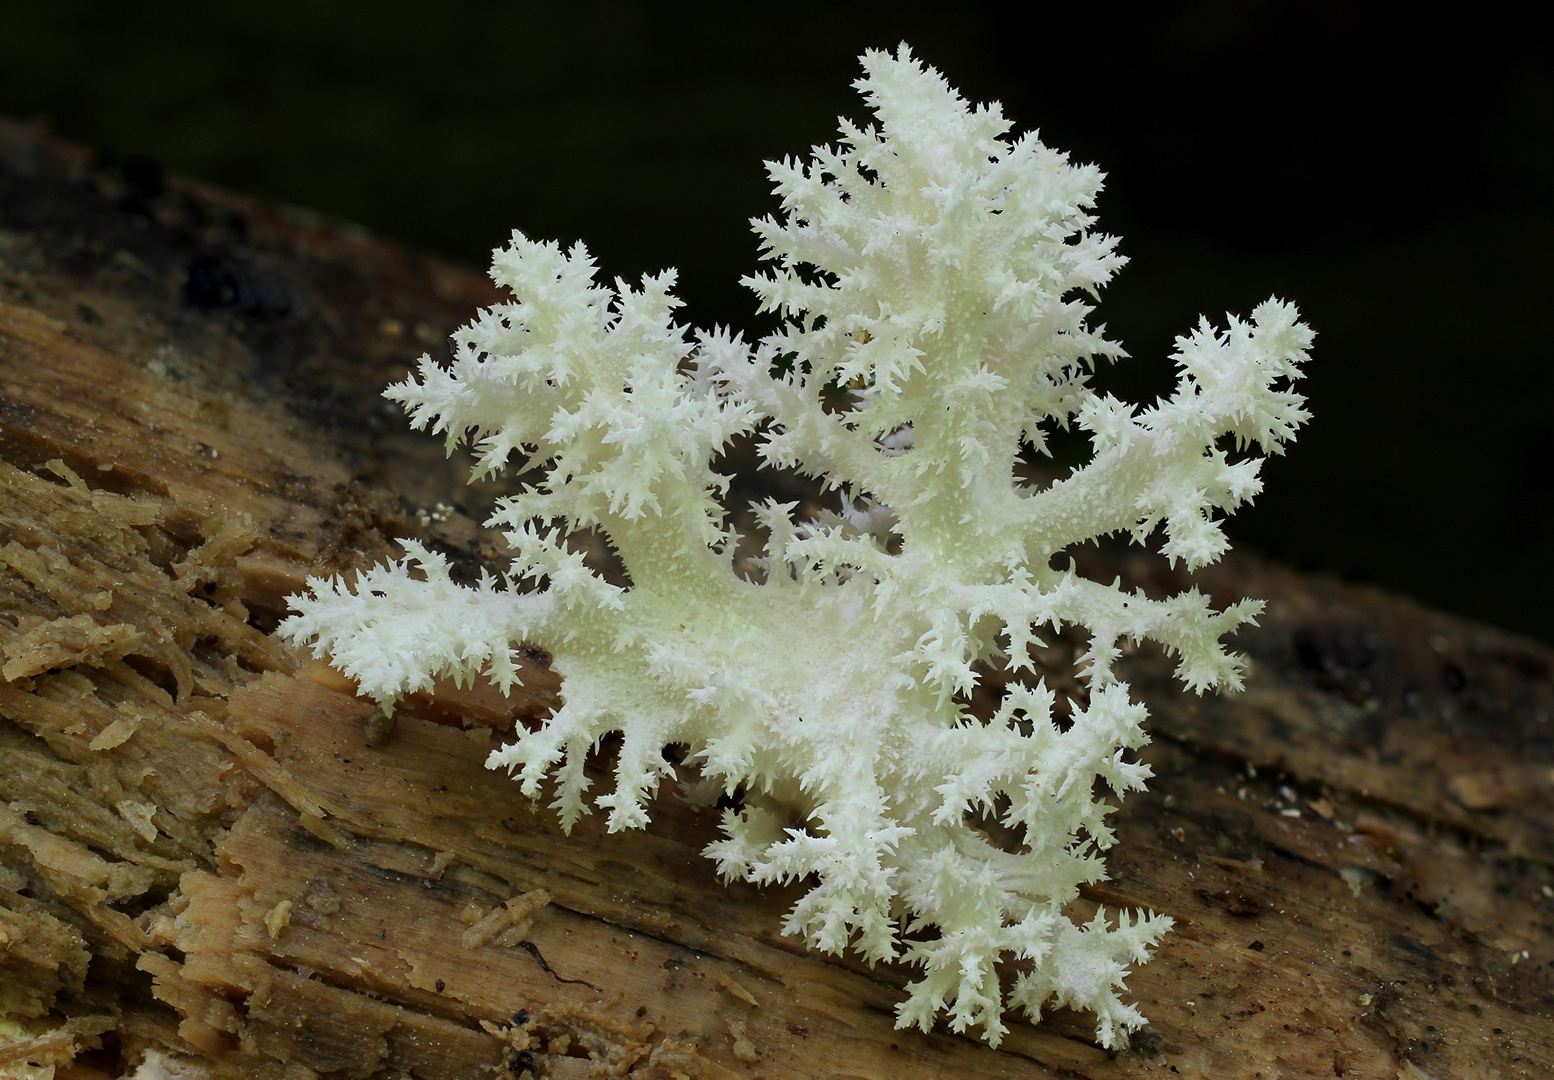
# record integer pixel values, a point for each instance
(201, 856)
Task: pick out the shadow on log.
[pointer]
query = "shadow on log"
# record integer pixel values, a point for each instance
(206, 870)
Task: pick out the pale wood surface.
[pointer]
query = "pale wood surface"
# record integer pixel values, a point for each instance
(200, 852)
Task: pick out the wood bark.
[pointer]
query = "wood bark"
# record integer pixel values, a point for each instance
(208, 868)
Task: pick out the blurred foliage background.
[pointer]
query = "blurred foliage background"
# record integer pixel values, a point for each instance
(1390, 174)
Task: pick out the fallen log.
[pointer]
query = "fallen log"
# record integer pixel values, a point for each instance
(209, 866)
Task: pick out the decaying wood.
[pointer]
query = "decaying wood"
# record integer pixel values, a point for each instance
(207, 870)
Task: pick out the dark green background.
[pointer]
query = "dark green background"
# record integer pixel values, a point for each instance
(1390, 174)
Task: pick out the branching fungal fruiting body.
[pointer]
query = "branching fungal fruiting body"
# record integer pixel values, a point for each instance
(930, 264)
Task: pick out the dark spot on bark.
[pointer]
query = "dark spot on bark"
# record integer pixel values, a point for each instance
(1454, 678)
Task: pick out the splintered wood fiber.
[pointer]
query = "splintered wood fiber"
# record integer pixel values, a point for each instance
(214, 865)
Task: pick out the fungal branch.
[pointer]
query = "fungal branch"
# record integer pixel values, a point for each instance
(941, 273)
